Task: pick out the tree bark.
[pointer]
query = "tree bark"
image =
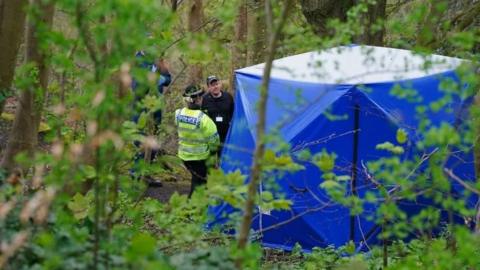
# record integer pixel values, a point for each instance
(174, 4)
(12, 25)
(23, 136)
(464, 13)
(427, 37)
(318, 12)
(374, 16)
(195, 20)
(256, 32)
(261, 124)
(476, 152)
(239, 52)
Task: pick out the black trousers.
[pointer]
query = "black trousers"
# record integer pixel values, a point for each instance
(198, 169)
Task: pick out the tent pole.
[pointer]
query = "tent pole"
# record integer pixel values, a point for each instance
(353, 188)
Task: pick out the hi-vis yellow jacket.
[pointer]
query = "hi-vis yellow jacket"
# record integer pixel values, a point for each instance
(197, 134)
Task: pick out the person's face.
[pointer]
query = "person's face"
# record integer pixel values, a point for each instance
(215, 87)
(199, 100)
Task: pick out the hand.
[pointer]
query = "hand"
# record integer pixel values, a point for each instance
(162, 65)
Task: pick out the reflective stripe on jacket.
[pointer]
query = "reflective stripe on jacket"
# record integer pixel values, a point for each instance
(197, 134)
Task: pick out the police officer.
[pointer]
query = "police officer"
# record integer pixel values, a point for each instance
(197, 136)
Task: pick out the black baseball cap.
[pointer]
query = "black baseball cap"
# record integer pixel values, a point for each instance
(211, 78)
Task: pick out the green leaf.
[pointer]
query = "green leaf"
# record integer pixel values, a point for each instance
(443, 135)
(152, 103)
(370, 197)
(142, 120)
(329, 184)
(304, 155)
(333, 117)
(388, 146)
(281, 204)
(284, 160)
(267, 196)
(343, 178)
(142, 245)
(177, 200)
(350, 247)
(325, 161)
(329, 176)
(79, 205)
(269, 156)
(407, 93)
(401, 136)
(89, 171)
(45, 240)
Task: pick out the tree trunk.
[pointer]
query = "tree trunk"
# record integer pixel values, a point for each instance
(374, 16)
(195, 20)
(256, 32)
(174, 4)
(239, 52)
(464, 13)
(260, 127)
(427, 37)
(12, 25)
(318, 12)
(23, 136)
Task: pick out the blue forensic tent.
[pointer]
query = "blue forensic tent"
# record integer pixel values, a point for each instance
(345, 100)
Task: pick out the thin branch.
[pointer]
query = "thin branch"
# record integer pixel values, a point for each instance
(452, 175)
(362, 233)
(369, 176)
(276, 225)
(315, 196)
(63, 77)
(96, 246)
(332, 136)
(261, 124)
(184, 35)
(424, 158)
(86, 37)
(395, 7)
(178, 76)
(269, 18)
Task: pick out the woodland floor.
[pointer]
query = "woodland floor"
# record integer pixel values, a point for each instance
(164, 192)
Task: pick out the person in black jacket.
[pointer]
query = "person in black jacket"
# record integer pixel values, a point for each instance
(218, 105)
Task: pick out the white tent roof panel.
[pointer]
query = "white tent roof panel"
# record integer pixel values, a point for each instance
(356, 65)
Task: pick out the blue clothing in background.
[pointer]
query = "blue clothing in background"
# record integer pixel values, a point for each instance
(163, 81)
(140, 91)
